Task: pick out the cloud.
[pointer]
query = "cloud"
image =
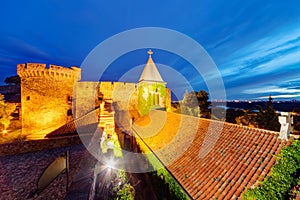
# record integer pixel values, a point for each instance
(282, 96)
(281, 89)
(271, 89)
(267, 54)
(265, 66)
(24, 49)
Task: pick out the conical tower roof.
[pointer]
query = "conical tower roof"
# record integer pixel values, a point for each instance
(150, 72)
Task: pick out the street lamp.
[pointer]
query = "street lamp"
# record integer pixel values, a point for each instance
(110, 163)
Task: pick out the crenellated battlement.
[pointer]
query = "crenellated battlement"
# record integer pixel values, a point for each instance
(53, 71)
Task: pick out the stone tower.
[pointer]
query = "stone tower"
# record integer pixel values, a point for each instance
(151, 88)
(46, 97)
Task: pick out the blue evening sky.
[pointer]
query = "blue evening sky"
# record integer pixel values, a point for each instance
(254, 44)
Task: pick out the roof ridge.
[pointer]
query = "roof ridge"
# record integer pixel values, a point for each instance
(242, 126)
(229, 124)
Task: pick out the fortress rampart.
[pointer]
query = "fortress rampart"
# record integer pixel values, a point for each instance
(89, 95)
(54, 71)
(48, 93)
(46, 97)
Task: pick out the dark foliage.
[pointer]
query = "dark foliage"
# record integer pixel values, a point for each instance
(12, 80)
(268, 118)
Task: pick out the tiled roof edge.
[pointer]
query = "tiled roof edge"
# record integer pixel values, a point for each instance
(236, 125)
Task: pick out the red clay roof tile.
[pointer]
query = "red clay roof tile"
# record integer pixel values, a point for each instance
(237, 157)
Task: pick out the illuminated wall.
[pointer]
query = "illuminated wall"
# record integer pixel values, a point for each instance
(151, 95)
(46, 97)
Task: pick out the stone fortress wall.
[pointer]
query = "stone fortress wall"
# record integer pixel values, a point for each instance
(53, 96)
(121, 96)
(89, 95)
(48, 92)
(46, 97)
(38, 69)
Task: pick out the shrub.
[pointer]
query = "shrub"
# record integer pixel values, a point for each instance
(283, 177)
(126, 193)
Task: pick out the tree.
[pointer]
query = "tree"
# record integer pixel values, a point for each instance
(202, 97)
(5, 113)
(267, 118)
(248, 119)
(190, 105)
(203, 103)
(175, 107)
(219, 113)
(194, 102)
(190, 99)
(12, 80)
(297, 126)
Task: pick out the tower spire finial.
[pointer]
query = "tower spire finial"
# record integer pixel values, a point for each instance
(150, 52)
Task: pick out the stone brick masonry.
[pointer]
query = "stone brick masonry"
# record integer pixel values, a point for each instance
(46, 97)
(19, 173)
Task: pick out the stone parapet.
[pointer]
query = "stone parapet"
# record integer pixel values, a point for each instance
(37, 145)
(53, 71)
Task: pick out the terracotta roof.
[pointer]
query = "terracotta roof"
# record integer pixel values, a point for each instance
(221, 159)
(150, 72)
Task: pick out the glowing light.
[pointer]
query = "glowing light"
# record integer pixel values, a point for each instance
(110, 163)
(4, 131)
